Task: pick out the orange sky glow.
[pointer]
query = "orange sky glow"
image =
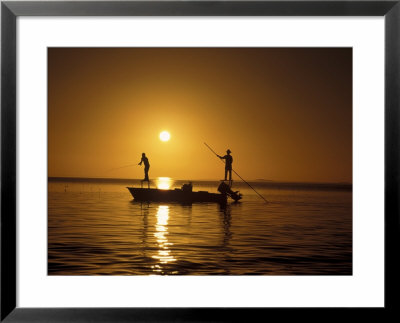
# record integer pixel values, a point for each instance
(285, 113)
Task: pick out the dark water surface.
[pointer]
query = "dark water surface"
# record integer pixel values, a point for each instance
(95, 228)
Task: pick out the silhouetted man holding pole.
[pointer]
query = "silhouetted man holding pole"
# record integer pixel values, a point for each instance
(146, 163)
(228, 164)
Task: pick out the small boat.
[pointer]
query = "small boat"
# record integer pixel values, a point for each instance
(184, 194)
(176, 195)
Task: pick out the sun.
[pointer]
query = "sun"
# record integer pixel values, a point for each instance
(165, 136)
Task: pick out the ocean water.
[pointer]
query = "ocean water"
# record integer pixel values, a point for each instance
(95, 228)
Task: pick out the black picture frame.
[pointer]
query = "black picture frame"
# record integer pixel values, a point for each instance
(11, 10)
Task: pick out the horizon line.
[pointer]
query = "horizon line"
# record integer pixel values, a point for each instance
(215, 180)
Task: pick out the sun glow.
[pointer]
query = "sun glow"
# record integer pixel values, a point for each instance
(165, 136)
(164, 183)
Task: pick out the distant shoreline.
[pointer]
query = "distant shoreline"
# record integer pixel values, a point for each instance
(267, 183)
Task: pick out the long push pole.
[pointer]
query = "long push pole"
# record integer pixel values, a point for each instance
(238, 175)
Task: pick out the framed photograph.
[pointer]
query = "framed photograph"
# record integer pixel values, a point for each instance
(198, 160)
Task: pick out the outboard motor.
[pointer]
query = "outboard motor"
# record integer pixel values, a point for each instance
(224, 188)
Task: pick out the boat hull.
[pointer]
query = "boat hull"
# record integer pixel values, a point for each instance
(177, 195)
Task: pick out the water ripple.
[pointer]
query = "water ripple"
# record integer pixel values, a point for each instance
(102, 232)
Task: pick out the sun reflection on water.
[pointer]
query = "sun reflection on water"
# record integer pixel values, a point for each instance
(163, 255)
(164, 183)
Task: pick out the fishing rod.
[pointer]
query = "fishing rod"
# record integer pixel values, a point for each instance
(238, 175)
(109, 170)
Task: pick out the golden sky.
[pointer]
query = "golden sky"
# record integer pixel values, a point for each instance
(285, 113)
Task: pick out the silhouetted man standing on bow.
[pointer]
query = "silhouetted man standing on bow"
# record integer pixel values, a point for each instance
(146, 163)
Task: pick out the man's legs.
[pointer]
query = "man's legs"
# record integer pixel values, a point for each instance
(230, 174)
